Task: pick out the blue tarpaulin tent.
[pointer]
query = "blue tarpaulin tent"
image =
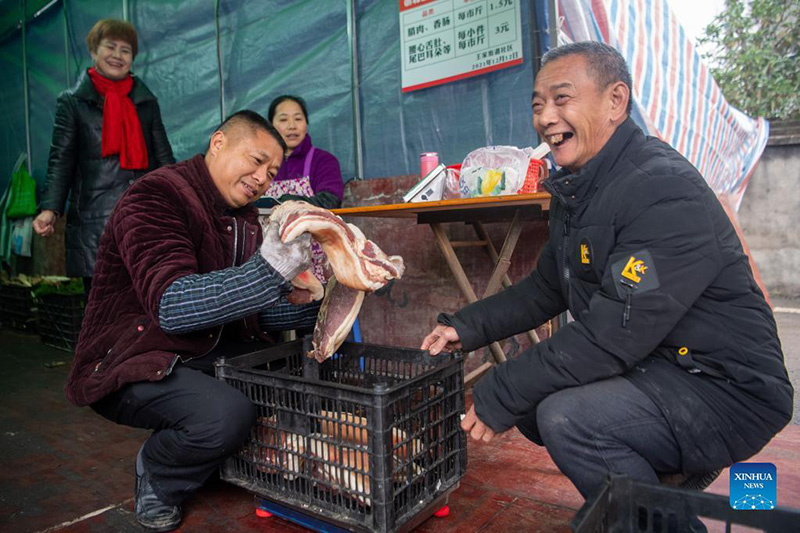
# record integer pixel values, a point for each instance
(205, 59)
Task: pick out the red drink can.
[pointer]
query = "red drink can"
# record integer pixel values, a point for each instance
(427, 162)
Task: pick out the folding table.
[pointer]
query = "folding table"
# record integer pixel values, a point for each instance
(513, 210)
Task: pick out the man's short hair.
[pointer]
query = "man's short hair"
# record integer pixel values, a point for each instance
(112, 29)
(253, 121)
(606, 64)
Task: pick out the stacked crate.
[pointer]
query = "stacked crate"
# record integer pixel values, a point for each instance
(17, 308)
(59, 318)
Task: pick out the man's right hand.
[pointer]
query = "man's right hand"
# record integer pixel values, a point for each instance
(45, 223)
(441, 338)
(288, 259)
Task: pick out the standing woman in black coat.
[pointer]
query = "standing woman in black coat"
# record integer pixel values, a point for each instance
(108, 132)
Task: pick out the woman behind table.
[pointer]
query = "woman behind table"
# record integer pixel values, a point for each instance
(309, 173)
(107, 133)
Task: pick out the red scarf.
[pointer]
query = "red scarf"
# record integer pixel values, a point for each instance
(122, 130)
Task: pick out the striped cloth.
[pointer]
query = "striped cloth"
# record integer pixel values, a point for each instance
(199, 301)
(675, 97)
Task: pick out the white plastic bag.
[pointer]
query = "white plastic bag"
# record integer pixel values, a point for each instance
(494, 171)
(21, 236)
(451, 185)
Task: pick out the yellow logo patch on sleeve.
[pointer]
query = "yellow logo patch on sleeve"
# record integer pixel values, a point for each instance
(635, 272)
(634, 269)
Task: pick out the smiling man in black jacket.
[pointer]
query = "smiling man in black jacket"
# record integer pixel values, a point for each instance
(672, 364)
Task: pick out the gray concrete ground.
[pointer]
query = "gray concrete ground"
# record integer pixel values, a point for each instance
(787, 315)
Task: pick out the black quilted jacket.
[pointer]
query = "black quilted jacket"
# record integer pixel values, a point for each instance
(649, 265)
(76, 168)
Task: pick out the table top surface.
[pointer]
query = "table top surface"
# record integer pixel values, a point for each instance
(412, 210)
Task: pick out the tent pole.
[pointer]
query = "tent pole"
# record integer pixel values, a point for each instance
(125, 12)
(66, 43)
(219, 63)
(25, 88)
(536, 43)
(552, 20)
(356, 88)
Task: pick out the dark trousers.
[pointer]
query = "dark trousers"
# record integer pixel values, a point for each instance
(197, 421)
(605, 427)
(87, 286)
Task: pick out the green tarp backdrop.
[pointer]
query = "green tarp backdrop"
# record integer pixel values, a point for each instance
(266, 48)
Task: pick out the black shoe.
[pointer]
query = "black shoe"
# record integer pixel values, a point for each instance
(149, 510)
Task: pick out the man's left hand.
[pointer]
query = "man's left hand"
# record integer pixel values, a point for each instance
(475, 428)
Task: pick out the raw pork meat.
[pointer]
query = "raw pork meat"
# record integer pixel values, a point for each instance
(356, 261)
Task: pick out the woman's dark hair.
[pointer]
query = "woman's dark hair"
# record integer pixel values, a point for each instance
(112, 29)
(282, 98)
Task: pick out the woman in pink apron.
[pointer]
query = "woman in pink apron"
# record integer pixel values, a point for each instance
(308, 173)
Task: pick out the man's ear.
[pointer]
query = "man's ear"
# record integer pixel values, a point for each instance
(620, 95)
(216, 143)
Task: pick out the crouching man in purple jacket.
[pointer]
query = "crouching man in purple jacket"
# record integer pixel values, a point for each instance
(182, 277)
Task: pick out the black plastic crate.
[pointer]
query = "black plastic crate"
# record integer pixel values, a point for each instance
(369, 440)
(17, 308)
(59, 318)
(624, 505)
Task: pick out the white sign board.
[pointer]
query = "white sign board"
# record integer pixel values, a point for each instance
(447, 40)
